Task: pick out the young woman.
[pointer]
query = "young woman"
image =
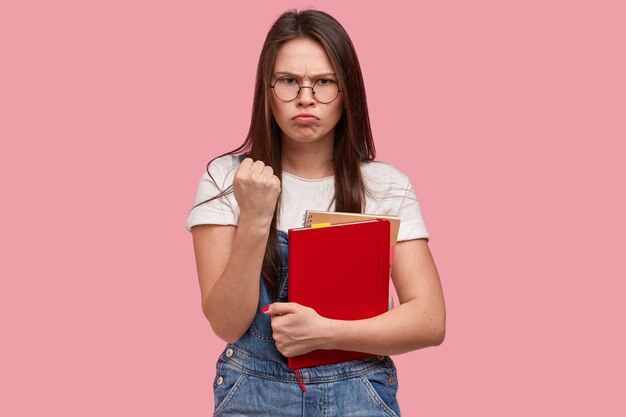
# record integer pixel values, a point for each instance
(309, 147)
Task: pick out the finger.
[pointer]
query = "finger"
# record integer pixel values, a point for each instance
(246, 164)
(257, 167)
(268, 171)
(275, 181)
(280, 309)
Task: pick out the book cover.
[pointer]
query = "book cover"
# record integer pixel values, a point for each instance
(341, 271)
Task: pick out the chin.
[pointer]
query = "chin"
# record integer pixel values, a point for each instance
(305, 138)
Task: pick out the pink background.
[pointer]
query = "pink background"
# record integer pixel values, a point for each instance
(508, 116)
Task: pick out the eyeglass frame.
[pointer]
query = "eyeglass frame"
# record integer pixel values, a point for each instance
(300, 87)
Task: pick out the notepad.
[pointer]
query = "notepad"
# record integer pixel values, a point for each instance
(341, 271)
(312, 217)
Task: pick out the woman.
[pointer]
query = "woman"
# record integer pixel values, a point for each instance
(309, 147)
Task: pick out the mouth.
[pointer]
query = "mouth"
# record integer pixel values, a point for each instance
(305, 118)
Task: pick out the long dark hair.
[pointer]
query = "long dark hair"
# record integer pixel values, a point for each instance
(353, 135)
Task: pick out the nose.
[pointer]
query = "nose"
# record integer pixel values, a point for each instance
(306, 96)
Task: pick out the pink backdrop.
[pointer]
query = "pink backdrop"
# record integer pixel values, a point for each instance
(508, 116)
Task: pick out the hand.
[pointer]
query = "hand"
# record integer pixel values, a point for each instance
(297, 329)
(256, 190)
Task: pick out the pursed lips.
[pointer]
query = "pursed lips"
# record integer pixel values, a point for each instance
(305, 118)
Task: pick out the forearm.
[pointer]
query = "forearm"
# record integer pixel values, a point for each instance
(408, 327)
(231, 303)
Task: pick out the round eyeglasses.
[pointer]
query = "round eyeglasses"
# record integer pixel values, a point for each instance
(324, 90)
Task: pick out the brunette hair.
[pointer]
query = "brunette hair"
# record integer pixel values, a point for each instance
(353, 135)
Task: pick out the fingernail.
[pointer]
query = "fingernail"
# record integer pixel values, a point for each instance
(265, 308)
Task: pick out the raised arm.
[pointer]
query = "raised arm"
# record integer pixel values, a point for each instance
(418, 322)
(229, 258)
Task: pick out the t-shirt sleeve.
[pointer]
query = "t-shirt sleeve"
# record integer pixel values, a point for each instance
(391, 192)
(223, 210)
(412, 225)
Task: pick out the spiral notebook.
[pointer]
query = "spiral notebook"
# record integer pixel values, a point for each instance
(342, 272)
(337, 217)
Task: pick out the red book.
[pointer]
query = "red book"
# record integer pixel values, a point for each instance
(342, 272)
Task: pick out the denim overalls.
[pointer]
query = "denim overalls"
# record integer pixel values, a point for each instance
(253, 379)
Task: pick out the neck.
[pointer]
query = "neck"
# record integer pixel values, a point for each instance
(308, 160)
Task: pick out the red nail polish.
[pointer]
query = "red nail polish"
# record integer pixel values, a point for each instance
(265, 308)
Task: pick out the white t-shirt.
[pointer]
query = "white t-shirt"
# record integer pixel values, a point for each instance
(389, 192)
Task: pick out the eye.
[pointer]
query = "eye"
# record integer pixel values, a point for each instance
(287, 81)
(325, 81)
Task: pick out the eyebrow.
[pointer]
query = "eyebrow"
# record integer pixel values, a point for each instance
(323, 74)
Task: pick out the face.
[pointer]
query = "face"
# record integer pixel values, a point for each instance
(304, 119)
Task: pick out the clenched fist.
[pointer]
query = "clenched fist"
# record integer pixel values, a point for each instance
(256, 190)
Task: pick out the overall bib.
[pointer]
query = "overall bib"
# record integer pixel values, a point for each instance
(252, 378)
